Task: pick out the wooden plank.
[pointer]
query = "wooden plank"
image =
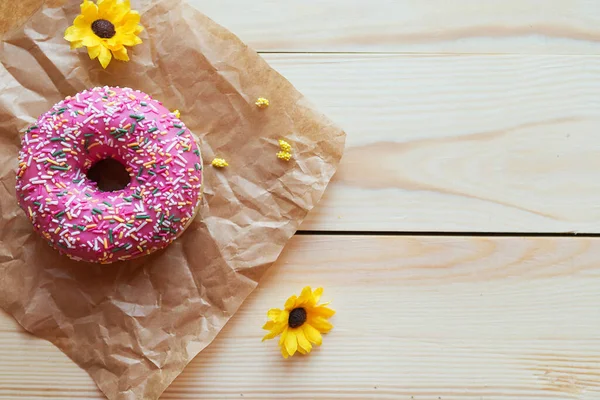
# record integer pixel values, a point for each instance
(502, 143)
(479, 143)
(458, 26)
(417, 317)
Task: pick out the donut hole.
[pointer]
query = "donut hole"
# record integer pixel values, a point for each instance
(109, 175)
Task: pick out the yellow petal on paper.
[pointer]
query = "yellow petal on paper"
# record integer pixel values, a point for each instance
(285, 146)
(261, 102)
(219, 163)
(284, 155)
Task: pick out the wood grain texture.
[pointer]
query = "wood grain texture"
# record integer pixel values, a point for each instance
(458, 26)
(500, 143)
(474, 143)
(417, 317)
(416, 26)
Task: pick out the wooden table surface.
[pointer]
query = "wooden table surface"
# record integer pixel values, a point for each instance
(458, 241)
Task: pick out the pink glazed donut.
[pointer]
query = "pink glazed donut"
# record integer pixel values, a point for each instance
(66, 207)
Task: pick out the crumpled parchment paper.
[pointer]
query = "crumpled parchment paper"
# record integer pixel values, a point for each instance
(134, 326)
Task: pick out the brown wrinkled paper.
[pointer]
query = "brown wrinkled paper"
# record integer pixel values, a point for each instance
(134, 326)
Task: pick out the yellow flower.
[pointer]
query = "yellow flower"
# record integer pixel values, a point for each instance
(284, 155)
(219, 163)
(300, 323)
(261, 102)
(105, 29)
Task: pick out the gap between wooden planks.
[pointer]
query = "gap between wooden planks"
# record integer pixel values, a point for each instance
(427, 317)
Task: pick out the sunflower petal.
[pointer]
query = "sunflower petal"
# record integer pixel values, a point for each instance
(138, 29)
(268, 325)
(313, 335)
(275, 328)
(76, 44)
(273, 314)
(291, 303)
(129, 39)
(304, 345)
(120, 13)
(305, 297)
(317, 294)
(94, 51)
(121, 54)
(284, 352)
(90, 40)
(130, 21)
(270, 335)
(104, 57)
(284, 335)
(107, 9)
(291, 342)
(89, 10)
(73, 34)
(321, 324)
(322, 311)
(83, 24)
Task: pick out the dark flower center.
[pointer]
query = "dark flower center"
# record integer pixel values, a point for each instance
(297, 317)
(103, 28)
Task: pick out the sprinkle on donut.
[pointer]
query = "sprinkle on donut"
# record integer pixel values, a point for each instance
(159, 153)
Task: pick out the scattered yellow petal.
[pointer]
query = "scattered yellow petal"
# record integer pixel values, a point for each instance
(285, 146)
(300, 324)
(219, 163)
(177, 113)
(284, 155)
(261, 102)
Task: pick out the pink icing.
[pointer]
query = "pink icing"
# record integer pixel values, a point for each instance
(67, 209)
